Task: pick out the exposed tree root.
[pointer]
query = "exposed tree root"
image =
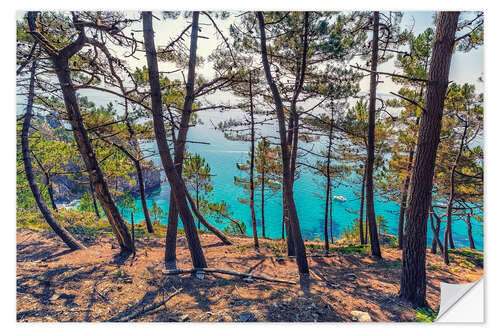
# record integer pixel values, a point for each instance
(223, 271)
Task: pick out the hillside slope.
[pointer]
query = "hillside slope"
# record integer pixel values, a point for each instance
(97, 284)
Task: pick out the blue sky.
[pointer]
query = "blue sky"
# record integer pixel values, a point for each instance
(465, 68)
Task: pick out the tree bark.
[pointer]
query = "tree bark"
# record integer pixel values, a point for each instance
(174, 179)
(331, 216)
(436, 228)
(51, 193)
(469, 232)
(48, 182)
(96, 176)
(404, 200)
(370, 207)
(363, 240)
(252, 160)
(413, 278)
(327, 201)
(449, 214)
(290, 244)
(94, 202)
(262, 184)
(285, 154)
(171, 234)
(60, 59)
(67, 238)
(203, 221)
(140, 180)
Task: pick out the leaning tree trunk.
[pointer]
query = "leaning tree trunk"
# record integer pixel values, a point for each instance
(413, 278)
(96, 176)
(94, 202)
(179, 149)
(70, 241)
(60, 59)
(180, 144)
(48, 182)
(285, 155)
(370, 207)
(140, 180)
(436, 229)
(175, 180)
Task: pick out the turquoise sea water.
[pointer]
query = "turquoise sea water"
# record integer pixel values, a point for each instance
(222, 155)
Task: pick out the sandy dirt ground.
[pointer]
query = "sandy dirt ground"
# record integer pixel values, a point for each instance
(100, 284)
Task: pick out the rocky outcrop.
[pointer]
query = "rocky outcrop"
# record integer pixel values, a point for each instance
(152, 180)
(67, 189)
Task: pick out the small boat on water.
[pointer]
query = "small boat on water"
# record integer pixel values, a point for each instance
(339, 198)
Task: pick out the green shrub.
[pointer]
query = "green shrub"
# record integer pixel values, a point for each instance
(425, 315)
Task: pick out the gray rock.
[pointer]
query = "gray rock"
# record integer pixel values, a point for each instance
(360, 316)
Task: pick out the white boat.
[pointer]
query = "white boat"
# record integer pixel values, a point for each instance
(339, 198)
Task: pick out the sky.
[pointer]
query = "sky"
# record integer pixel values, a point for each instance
(465, 67)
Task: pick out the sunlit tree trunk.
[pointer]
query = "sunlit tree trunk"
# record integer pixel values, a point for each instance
(469, 232)
(413, 278)
(142, 191)
(175, 180)
(436, 229)
(362, 238)
(252, 162)
(328, 179)
(448, 240)
(285, 154)
(370, 207)
(68, 239)
(262, 189)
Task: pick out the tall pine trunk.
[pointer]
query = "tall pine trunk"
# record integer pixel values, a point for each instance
(293, 222)
(252, 163)
(469, 232)
(174, 179)
(60, 60)
(331, 215)
(96, 176)
(363, 240)
(328, 179)
(262, 184)
(448, 240)
(404, 201)
(68, 239)
(370, 207)
(140, 180)
(413, 278)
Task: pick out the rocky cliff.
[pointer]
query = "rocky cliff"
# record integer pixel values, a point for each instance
(66, 189)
